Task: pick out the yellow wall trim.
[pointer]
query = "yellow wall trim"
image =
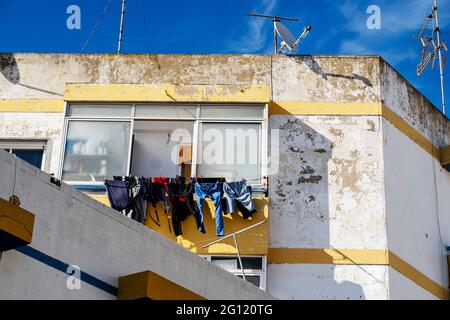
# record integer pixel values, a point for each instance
(356, 257)
(149, 285)
(305, 108)
(32, 105)
(16, 226)
(410, 132)
(418, 277)
(323, 108)
(167, 93)
(445, 155)
(327, 256)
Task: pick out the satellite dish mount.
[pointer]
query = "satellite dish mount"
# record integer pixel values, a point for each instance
(288, 43)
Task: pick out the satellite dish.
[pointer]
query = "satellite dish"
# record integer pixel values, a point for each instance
(289, 43)
(285, 34)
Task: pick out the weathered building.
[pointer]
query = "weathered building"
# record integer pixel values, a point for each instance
(349, 173)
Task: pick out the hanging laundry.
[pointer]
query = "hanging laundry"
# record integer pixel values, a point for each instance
(127, 195)
(181, 198)
(214, 192)
(238, 194)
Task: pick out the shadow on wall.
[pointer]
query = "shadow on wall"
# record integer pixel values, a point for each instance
(300, 215)
(10, 70)
(309, 62)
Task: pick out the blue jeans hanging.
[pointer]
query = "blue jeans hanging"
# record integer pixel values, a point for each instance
(214, 192)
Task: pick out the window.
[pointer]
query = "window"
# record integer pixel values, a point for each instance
(254, 267)
(95, 150)
(31, 151)
(104, 140)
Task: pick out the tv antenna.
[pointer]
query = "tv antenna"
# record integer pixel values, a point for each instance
(122, 16)
(288, 43)
(432, 47)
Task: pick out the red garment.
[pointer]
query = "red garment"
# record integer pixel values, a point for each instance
(163, 180)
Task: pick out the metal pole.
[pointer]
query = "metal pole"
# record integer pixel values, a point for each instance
(121, 27)
(239, 256)
(275, 36)
(441, 67)
(237, 232)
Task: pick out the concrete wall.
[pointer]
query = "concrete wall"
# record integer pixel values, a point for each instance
(348, 179)
(417, 205)
(75, 229)
(329, 191)
(417, 202)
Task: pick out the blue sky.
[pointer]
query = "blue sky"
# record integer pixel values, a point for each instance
(211, 26)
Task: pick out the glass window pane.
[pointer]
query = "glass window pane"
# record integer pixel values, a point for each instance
(229, 150)
(96, 150)
(168, 111)
(33, 157)
(252, 263)
(255, 280)
(158, 148)
(227, 263)
(232, 111)
(91, 110)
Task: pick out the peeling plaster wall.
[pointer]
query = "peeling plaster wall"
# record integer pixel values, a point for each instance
(402, 98)
(326, 78)
(329, 189)
(45, 75)
(328, 193)
(36, 125)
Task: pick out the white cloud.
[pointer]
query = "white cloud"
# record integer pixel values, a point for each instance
(256, 38)
(399, 20)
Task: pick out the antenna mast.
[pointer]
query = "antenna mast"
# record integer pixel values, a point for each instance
(439, 48)
(122, 16)
(275, 19)
(432, 48)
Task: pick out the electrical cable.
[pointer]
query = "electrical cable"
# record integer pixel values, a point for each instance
(99, 19)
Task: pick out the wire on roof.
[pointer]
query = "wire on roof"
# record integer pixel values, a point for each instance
(99, 19)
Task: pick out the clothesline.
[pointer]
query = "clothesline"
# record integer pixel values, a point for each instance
(131, 194)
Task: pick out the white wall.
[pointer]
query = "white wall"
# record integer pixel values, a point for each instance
(328, 282)
(414, 182)
(401, 288)
(78, 230)
(36, 125)
(328, 193)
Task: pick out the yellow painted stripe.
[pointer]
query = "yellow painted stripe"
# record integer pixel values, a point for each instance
(445, 155)
(409, 131)
(167, 93)
(32, 105)
(327, 256)
(355, 109)
(325, 108)
(356, 257)
(418, 277)
(149, 285)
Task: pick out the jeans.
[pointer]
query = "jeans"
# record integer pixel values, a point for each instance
(238, 191)
(214, 192)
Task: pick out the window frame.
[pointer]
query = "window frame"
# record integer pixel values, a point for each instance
(197, 120)
(262, 273)
(27, 144)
